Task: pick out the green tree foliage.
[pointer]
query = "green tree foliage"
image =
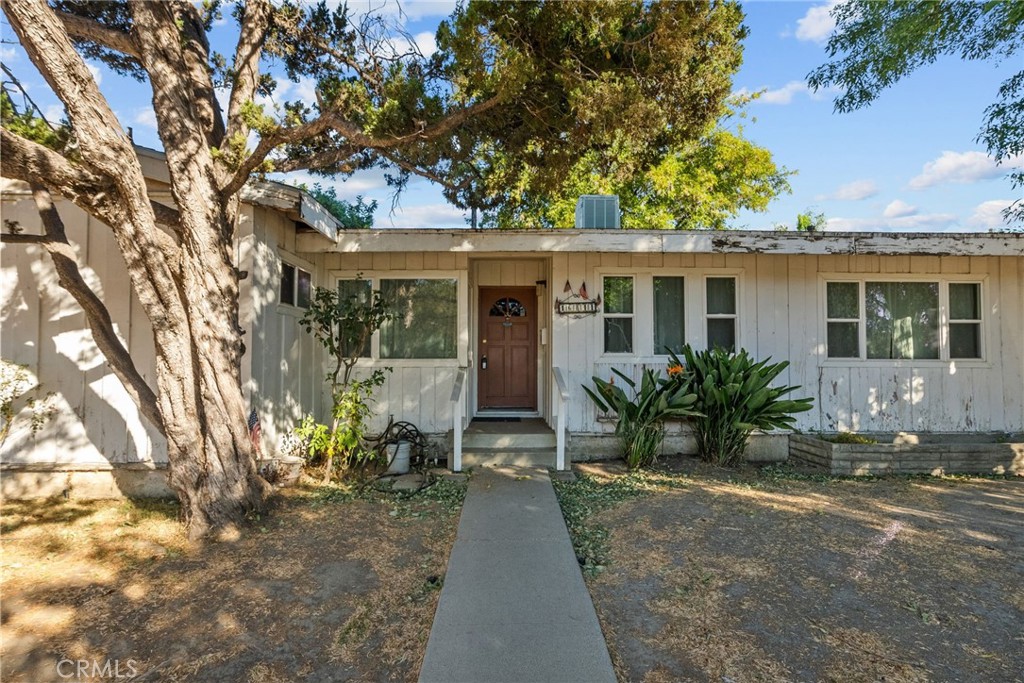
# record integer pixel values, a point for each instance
(573, 76)
(699, 185)
(357, 214)
(24, 121)
(809, 221)
(878, 43)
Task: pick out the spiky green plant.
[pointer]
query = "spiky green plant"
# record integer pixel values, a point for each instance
(734, 398)
(641, 417)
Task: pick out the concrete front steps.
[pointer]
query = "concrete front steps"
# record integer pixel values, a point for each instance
(529, 443)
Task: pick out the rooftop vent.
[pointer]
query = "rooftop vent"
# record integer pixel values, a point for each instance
(597, 211)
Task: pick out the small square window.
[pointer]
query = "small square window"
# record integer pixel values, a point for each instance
(296, 286)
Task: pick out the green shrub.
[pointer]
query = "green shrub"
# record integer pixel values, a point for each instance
(734, 397)
(641, 418)
(339, 447)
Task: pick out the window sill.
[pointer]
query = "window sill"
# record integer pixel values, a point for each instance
(902, 363)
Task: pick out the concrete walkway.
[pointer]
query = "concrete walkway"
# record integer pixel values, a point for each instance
(514, 606)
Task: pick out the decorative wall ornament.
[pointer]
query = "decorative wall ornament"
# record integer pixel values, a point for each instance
(578, 304)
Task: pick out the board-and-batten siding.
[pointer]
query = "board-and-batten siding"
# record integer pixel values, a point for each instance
(95, 420)
(780, 315)
(282, 370)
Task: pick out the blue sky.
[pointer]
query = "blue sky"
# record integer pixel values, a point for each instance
(907, 162)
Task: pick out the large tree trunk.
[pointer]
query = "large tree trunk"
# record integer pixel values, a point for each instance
(213, 465)
(189, 290)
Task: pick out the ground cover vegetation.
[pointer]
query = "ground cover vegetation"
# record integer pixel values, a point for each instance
(514, 97)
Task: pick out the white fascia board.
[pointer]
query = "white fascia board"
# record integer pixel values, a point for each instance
(637, 241)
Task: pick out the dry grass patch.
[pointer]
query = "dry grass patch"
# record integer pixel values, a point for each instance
(768, 576)
(328, 586)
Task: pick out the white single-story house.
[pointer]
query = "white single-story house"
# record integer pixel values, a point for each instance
(887, 332)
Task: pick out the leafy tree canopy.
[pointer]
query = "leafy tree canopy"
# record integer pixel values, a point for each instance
(875, 44)
(699, 185)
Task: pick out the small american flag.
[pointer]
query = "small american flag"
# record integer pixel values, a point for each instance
(255, 430)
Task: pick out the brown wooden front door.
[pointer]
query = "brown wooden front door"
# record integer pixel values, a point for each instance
(507, 350)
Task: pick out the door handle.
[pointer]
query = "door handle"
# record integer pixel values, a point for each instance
(483, 363)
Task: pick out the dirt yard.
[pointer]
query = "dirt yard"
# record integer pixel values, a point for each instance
(325, 588)
(715, 576)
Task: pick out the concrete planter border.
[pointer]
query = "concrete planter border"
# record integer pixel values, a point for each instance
(905, 453)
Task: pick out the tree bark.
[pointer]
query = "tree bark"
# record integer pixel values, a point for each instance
(190, 291)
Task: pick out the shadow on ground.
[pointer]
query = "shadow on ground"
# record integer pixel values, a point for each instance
(316, 591)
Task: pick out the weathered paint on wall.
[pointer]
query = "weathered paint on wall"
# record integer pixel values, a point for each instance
(780, 315)
(95, 420)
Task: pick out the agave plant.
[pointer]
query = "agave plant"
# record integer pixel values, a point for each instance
(734, 397)
(641, 417)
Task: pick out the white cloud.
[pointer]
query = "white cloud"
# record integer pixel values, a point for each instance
(961, 167)
(54, 113)
(912, 223)
(305, 90)
(426, 42)
(989, 214)
(145, 117)
(817, 24)
(97, 75)
(8, 54)
(429, 216)
(783, 95)
(853, 192)
(786, 93)
(899, 209)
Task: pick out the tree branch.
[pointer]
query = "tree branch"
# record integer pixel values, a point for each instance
(35, 164)
(103, 145)
(255, 23)
(195, 53)
(87, 29)
(96, 313)
(357, 139)
(21, 238)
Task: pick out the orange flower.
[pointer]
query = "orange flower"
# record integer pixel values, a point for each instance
(674, 370)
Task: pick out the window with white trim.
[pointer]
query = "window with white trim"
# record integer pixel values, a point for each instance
(356, 292)
(903, 320)
(296, 287)
(669, 314)
(426, 318)
(720, 312)
(618, 313)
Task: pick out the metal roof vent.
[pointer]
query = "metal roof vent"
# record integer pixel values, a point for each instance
(597, 211)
